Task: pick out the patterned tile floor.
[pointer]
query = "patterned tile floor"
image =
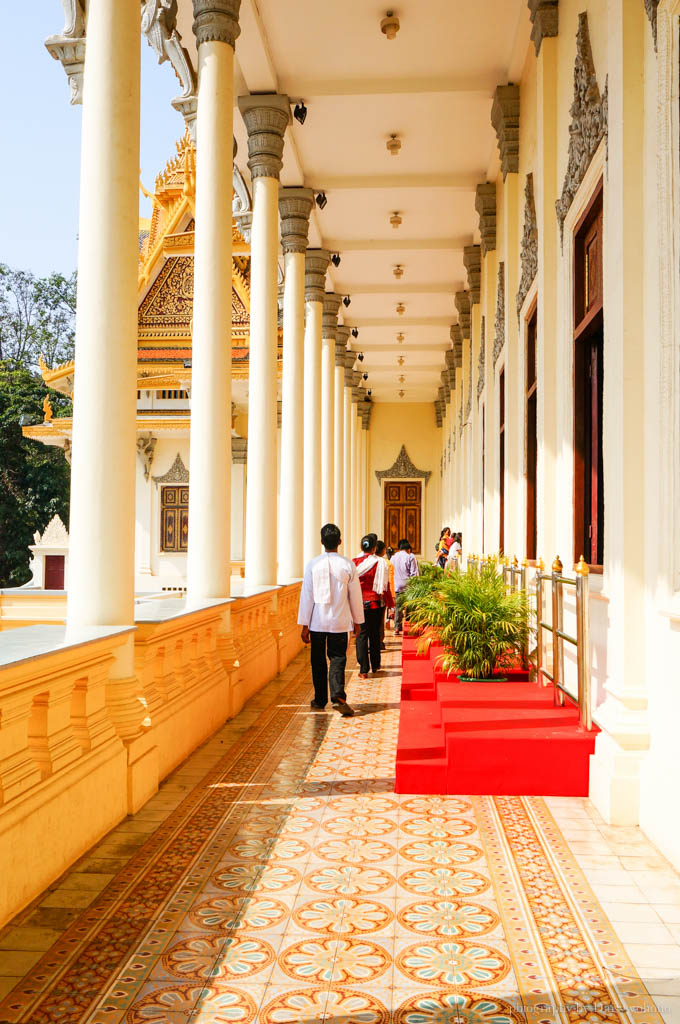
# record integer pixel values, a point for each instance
(277, 878)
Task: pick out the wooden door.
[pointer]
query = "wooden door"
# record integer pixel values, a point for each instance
(403, 513)
(54, 572)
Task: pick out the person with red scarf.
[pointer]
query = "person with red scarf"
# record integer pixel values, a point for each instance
(374, 580)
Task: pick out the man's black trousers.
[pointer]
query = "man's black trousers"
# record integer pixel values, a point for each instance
(333, 645)
(368, 641)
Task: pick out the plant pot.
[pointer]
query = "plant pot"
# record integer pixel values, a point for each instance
(490, 679)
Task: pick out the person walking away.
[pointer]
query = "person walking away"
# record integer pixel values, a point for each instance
(373, 577)
(330, 606)
(455, 552)
(405, 566)
(388, 596)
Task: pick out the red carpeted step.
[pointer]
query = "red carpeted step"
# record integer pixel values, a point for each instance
(487, 738)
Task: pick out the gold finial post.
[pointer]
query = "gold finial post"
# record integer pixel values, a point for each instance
(581, 568)
(557, 564)
(540, 565)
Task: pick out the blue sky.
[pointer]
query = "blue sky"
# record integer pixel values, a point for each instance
(40, 166)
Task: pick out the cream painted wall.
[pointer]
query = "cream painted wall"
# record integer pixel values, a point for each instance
(412, 425)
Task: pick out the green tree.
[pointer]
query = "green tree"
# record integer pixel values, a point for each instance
(37, 317)
(34, 478)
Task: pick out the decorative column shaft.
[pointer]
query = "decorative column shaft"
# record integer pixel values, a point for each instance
(342, 335)
(265, 118)
(316, 264)
(209, 547)
(295, 206)
(331, 305)
(347, 453)
(102, 525)
(356, 486)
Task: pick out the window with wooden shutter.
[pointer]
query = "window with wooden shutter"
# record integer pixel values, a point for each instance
(174, 518)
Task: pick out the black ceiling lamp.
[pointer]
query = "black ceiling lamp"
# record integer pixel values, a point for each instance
(321, 200)
(365, 376)
(355, 332)
(300, 112)
(360, 357)
(335, 259)
(367, 397)
(346, 301)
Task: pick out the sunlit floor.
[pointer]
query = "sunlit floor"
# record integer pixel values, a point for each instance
(277, 878)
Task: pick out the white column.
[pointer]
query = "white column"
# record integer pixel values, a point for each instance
(209, 547)
(316, 264)
(295, 206)
(101, 556)
(354, 439)
(347, 457)
(331, 304)
(342, 335)
(265, 118)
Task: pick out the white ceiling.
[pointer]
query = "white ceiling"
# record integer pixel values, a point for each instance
(433, 85)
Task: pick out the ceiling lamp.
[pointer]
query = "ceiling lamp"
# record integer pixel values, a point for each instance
(398, 271)
(321, 200)
(368, 395)
(360, 357)
(346, 301)
(365, 376)
(401, 360)
(300, 112)
(401, 308)
(393, 145)
(401, 394)
(355, 332)
(389, 26)
(400, 338)
(395, 220)
(335, 259)
(402, 378)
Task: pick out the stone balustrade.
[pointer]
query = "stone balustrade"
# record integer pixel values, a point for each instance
(70, 741)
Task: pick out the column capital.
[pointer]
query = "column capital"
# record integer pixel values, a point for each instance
(331, 305)
(216, 21)
(266, 117)
(544, 21)
(456, 336)
(463, 306)
(505, 121)
(341, 336)
(472, 259)
(485, 205)
(350, 359)
(295, 207)
(316, 265)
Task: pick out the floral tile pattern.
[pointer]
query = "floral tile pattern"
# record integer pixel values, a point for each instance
(288, 884)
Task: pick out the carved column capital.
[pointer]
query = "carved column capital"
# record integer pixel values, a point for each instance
(266, 118)
(463, 306)
(450, 360)
(456, 336)
(331, 305)
(544, 21)
(472, 258)
(505, 120)
(295, 207)
(216, 21)
(69, 47)
(350, 359)
(316, 265)
(485, 205)
(341, 336)
(438, 412)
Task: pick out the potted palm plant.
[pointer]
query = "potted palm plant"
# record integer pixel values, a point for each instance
(482, 627)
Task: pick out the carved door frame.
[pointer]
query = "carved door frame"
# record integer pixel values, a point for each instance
(407, 480)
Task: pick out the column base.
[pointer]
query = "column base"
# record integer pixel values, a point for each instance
(615, 766)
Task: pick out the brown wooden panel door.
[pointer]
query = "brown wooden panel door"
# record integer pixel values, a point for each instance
(403, 513)
(174, 518)
(54, 572)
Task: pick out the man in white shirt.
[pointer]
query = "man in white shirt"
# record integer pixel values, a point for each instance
(330, 606)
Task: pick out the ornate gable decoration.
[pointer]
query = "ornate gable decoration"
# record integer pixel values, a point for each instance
(529, 255)
(55, 534)
(482, 360)
(651, 9)
(403, 467)
(499, 340)
(588, 120)
(177, 474)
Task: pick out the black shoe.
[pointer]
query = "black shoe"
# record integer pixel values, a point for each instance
(317, 707)
(383, 647)
(343, 707)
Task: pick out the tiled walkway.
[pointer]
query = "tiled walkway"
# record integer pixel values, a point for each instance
(277, 878)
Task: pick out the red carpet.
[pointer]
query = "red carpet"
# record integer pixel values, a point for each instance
(488, 738)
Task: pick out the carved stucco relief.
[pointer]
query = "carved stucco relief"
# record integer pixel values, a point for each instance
(499, 338)
(651, 9)
(482, 360)
(177, 474)
(529, 253)
(588, 120)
